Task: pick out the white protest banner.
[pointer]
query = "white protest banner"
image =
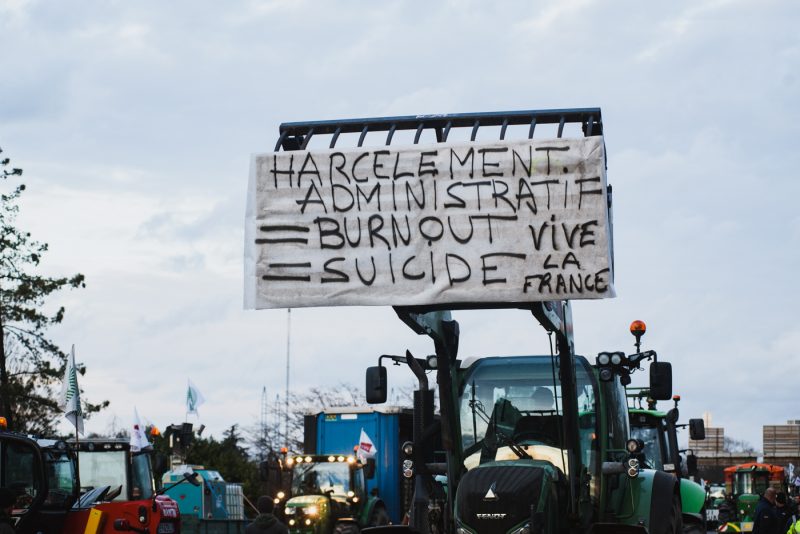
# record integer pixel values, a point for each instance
(507, 221)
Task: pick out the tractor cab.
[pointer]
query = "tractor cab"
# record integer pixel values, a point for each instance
(110, 462)
(647, 426)
(41, 473)
(516, 401)
(754, 482)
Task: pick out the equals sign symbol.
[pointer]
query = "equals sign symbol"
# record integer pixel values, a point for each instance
(296, 231)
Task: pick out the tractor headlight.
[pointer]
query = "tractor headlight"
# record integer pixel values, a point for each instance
(603, 358)
(632, 446)
(616, 359)
(633, 467)
(311, 510)
(408, 468)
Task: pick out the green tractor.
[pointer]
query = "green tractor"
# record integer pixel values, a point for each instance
(329, 495)
(658, 432)
(743, 484)
(534, 444)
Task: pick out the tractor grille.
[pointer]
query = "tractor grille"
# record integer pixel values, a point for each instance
(514, 489)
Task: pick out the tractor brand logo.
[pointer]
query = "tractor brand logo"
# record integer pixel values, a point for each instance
(491, 495)
(490, 516)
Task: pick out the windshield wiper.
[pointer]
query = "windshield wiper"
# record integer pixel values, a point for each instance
(477, 408)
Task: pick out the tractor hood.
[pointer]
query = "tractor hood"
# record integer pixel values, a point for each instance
(496, 496)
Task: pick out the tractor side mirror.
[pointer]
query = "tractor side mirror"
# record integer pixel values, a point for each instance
(369, 469)
(160, 463)
(672, 416)
(697, 429)
(691, 464)
(376, 385)
(661, 380)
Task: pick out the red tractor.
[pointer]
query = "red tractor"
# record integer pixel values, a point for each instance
(44, 476)
(119, 491)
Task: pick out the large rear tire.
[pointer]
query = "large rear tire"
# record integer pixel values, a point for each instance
(346, 528)
(676, 515)
(674, 522)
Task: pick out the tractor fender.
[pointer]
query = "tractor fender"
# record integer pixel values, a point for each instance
(369, 507)
(664, 488)
(693, 501)
(651, 495)
(693, 497)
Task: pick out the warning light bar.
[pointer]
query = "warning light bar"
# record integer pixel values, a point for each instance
(321, 458)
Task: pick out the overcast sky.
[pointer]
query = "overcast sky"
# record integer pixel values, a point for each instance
(135, 121)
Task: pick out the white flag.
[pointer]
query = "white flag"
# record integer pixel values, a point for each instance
(70, 399)
(366, 449)
(193, 398)
(138, 435)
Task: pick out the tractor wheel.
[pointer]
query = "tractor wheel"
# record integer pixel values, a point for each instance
(346, 528)
(694, 528)
(674, 523)
(380, 517)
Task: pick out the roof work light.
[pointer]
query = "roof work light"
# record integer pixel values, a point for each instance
(609, 363)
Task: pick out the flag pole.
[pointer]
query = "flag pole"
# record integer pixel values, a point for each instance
(186, 403)
(77, 458)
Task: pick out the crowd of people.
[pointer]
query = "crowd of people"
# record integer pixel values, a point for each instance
(777, 514)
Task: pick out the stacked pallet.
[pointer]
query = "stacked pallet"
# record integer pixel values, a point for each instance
(714, 442)
(782, 440)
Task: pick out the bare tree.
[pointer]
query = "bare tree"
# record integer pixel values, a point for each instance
(737, 446)
(270, 437)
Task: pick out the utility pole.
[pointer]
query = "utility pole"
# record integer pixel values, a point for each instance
(288, 354)
(264, 415)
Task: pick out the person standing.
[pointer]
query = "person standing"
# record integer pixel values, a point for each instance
(783, 512)
(266, 522)
(766, 519)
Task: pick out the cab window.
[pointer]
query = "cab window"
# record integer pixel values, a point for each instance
(18, 469)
